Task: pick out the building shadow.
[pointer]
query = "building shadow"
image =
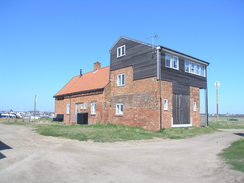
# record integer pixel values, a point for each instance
(240, 134)
(2, 156)
(3, 146)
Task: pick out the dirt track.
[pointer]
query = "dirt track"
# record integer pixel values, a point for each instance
(35, 158)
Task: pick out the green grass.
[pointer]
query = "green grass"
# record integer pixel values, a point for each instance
(106, 132)
(227, 125)
(113, 133)
(234, 155)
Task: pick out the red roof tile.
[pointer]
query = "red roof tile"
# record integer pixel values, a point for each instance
(89, 81)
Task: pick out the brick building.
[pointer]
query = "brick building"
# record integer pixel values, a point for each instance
(147, 86)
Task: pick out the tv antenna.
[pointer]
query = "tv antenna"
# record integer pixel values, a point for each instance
(153, 38)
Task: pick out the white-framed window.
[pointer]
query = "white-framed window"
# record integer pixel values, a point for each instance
(171, 61)
(119, 109)
(121, 51)
(120, 79)
(93, 107)
(166, 104)
(195, 68)
(68, 109)
(194, 106)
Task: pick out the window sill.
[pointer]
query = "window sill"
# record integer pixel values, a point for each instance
(120, 56)
(118, 115)
(172, 68)
(120, 85)
(93, 114)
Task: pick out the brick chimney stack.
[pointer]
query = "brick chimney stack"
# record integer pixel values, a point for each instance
(97, 65)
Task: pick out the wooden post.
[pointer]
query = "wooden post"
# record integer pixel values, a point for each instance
(217, 100)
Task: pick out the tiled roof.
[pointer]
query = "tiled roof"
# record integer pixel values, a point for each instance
(89, 81)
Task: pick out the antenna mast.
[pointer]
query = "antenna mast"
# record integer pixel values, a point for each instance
(153, 39)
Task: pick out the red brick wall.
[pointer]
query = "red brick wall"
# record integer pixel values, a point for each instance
(140, 99)
(195, 97)
(60, 108)
(167, 93)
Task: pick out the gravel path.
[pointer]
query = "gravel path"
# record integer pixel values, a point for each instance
(35, 158)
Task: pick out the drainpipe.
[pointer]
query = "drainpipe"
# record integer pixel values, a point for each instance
(159, 72)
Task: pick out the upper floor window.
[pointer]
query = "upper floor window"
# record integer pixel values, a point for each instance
(68, 109)
(121, 51)
(119, 109)
(195, 68)
(120, 79)
(171, 61)
(93, 107)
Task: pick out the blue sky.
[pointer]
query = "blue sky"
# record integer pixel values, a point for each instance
(45, 43)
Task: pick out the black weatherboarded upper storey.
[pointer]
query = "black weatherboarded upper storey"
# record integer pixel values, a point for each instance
(138, 55)
(142, 57)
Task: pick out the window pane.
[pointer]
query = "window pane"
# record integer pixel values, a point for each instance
(122, 79)
(192, 67)
(175, 59)
(202, 71)
(119, 52)
(186, 66)
(198, 70)
(122, 108)
(167, 60)
(118, 79)
(123, 50)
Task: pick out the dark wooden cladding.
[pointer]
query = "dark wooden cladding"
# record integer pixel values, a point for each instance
(181, 89)
(142, 58)
(182, 77)
(181, 109)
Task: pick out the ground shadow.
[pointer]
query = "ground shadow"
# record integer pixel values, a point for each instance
(240, 134)
(2, 156)
(3, 146)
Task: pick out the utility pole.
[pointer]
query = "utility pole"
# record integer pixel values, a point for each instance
(217, 100)
(35, 106)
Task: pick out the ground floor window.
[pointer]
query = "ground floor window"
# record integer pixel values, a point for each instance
(165, 104)
(119, 109)
(194, 106)
(93, 108)
(68, 109)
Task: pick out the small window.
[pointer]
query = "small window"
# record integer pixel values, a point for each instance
(171, 61)
(68, 109)
(165, 104)
(120, 79)
(121, 51)
(93, 108)
(194, 106)
(119, 109)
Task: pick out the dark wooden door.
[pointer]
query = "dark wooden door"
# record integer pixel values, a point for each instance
(181, 109)
(82, 118)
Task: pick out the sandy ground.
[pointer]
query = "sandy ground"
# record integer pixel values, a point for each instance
(35, 158)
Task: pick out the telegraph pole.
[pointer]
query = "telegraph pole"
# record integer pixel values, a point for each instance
(35, 106)
(217, 100)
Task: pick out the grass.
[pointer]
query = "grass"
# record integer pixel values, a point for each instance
(106, 132)
(227, 125)
(234, 155)
(113, 133)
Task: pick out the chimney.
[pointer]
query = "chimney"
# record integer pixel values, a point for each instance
(80, 72)
(97, 65)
